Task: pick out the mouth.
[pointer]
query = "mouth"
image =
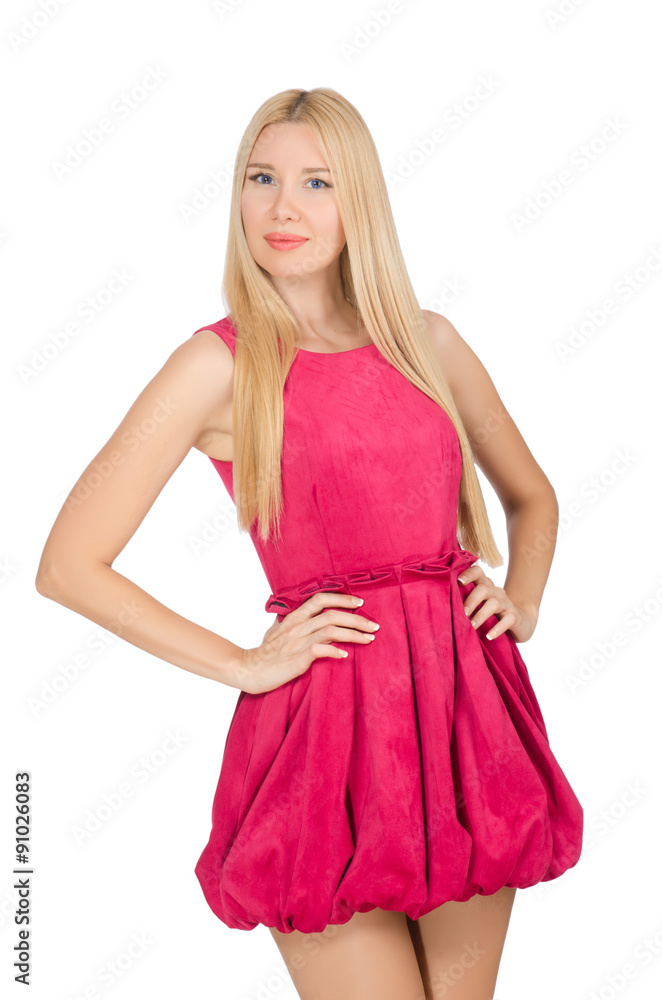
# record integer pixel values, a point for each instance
(284, 242)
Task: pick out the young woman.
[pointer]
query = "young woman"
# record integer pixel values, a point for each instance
(387, 781)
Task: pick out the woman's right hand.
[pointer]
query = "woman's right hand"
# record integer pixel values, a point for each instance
(289, 647)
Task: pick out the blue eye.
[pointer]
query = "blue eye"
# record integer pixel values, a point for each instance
(254, 177)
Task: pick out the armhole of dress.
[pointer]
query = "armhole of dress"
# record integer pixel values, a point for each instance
(222, 330)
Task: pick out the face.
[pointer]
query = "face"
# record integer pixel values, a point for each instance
(288, 189)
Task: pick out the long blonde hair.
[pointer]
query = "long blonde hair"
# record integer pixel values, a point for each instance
(376, 285)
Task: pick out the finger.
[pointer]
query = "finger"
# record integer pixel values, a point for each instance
(491, 607)
(502, 625)
(480, 593)
(341, 634)
(327, 599)
(316, 604)
(345, 619)
(467, 575)
(319, 649)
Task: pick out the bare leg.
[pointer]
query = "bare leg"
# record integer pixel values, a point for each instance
(372, 955)
(459, 945)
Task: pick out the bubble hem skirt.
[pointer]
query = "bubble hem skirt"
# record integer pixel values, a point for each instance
(415, 771)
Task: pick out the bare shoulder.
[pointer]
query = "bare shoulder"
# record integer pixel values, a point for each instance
(210, 363)
(498, 446)
(467, 377)
(439, 326)
(450, 347)
(206, 345)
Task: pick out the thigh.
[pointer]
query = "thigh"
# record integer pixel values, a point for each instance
(459, 945)
(372, 955)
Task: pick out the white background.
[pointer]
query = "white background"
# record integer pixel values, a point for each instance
(126, 206)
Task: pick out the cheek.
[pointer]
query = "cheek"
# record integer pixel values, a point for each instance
(332, 228)
(253, 200)
(251, 223)
(247, 210)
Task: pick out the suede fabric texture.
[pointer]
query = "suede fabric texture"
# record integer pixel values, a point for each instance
(418, 769)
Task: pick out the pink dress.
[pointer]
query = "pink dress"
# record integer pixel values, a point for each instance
(418, 769)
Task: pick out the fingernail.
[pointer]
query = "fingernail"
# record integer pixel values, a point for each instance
(358, 600)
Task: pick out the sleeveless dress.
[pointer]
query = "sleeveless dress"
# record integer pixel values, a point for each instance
(417, 769)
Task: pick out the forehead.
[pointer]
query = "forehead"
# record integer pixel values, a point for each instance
(288, 142)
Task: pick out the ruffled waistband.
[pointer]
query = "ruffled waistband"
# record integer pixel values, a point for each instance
(449, 563)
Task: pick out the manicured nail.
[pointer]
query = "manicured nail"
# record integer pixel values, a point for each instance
(461, 579)
(358, 600)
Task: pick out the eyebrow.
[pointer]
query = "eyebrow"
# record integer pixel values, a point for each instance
(306, 170)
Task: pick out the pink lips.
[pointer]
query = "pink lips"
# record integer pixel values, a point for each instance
(285, 241)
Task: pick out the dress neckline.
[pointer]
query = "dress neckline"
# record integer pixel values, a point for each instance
(324, 354)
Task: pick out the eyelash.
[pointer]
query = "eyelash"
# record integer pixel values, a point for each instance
(262, 174)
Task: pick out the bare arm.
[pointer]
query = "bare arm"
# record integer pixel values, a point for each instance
(525, 492)
(101, 513)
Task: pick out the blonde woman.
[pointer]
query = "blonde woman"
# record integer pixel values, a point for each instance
(387, 781)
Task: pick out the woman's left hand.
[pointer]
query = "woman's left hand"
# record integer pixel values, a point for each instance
(494, 600)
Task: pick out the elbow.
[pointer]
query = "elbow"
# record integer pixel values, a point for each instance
(549, 494)
(49, 581)
(63, 579)
(552, 498)
(46, 584)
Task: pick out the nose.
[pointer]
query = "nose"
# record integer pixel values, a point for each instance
(284, 204)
